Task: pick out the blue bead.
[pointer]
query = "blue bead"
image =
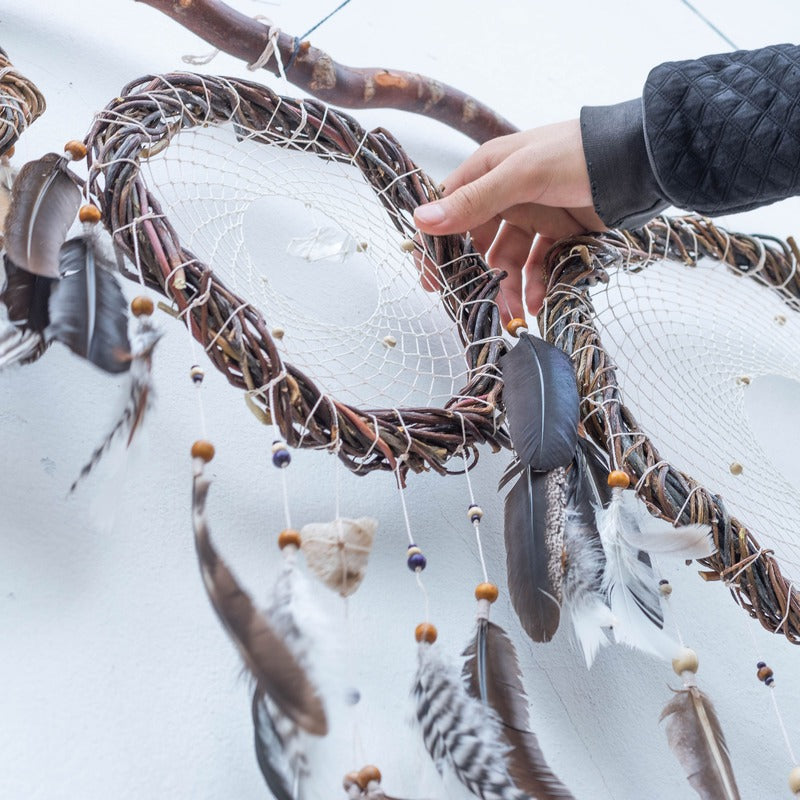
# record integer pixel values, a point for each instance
(281, 458)
(417, 561)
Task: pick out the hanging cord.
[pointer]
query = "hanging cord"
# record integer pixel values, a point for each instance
(298, 40)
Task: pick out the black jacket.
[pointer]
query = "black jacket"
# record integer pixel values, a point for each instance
(716, 135)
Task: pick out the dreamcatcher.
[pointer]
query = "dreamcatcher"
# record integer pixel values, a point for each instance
(186, 169)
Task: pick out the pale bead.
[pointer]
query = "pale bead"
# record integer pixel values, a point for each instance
(686, 661)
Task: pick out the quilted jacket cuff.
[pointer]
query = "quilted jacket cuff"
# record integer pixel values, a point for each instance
(624, 187)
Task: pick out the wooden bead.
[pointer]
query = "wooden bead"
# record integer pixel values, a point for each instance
(486, 591)
(475, 513)
(197, 373)
(89, 213)
(736, 468)
(617, 479)
(289, 537)
(513, 325)
(367, 775)
(665, 587)
(426, 632)
(408, 246)
(794, 780)
(764, 673)
(76, 149)
(351, 779)
(203, 449)
(686, 661)
(142, 306)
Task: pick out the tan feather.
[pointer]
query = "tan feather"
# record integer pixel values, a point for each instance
(695, 736)
(337, 552)
(275, 669)
(44, 203)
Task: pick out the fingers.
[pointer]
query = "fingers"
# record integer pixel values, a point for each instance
(535, 286)
(473, 204)
(509, 252)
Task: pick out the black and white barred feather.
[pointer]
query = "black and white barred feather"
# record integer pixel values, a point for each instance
(459, 731)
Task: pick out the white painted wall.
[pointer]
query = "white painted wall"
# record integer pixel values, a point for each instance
(115, 678)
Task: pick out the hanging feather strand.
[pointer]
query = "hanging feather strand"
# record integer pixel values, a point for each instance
(275, 669)
(493, 676)
(44, 202)
(460, 731)
(695, 736)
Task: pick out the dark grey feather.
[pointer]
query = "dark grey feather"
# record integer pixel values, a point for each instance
(88, 312)
(541, 402)
(44, 203)
(494, 677)
(535, 515)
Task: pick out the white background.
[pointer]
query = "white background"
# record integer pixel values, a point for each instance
(116, 680)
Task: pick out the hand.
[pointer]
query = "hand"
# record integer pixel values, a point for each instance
(516, 195)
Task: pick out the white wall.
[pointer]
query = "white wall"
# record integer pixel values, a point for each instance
(115, 677)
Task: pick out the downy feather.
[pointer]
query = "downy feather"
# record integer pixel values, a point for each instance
(584, 559)
(630, 584)
(695, 736)
(535, 514)
(459, 731)
(541, 402)
(494, 677)
(44, 202)
(88, 312)
(275, 669)
(269, 747)
(655, 535)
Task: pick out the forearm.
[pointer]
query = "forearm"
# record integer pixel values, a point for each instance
(716, 135)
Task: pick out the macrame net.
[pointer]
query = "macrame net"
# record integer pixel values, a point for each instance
(282, 231)
(680, 361)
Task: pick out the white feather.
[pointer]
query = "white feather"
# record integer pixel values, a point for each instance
(582, 587)
(630, 584)
(656, 535)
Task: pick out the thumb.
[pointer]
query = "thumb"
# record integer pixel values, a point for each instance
(470, 205)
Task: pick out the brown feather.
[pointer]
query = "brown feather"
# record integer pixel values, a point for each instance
(493, 676)
(270, 661)
(695, 736)
(44, 202)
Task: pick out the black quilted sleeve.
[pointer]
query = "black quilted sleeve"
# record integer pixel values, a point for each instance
(721, 134)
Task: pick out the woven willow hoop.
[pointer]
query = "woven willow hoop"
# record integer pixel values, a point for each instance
(21, 103)
(567, 320)
(143, 120)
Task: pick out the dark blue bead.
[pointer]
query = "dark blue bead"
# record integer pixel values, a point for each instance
(417, 561)
(281, 458)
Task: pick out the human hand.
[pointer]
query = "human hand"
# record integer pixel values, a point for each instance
(516, 195)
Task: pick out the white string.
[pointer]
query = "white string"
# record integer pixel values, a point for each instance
(475, 522)
(271, 48)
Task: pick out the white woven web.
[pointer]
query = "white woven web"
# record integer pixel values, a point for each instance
(307, 242)
(709, 363)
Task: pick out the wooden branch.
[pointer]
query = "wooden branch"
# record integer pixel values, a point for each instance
(317, 73)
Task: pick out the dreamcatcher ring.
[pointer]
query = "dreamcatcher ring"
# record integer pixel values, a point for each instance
(142, 122)
(568, 320)
(21, 103)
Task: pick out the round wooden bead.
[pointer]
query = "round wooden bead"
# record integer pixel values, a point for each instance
(794, 780)
(617, 479)
(89, 213)
(686, 661)
(281, 457)
(367, 775)
(415, 558)
(408, 246)
(475, 513)
(351, 779)
(765, 674)
(289, 537)
(513, 326)
(486, 591)
(665, 587)
(425, 632)
(197, 373)
(76, 149)
(203, 449)
(142, 306)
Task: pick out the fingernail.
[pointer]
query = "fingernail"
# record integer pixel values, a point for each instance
(429, 214)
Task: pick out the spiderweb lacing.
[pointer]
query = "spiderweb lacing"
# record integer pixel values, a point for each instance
(308, 242)
(703, 355)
